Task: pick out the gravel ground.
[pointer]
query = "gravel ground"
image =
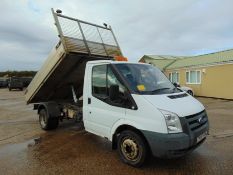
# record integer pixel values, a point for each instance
(26, 149)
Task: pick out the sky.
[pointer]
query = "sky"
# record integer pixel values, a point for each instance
(142, 27)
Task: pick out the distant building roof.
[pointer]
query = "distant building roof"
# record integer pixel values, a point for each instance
(175, 62)
(160, 61)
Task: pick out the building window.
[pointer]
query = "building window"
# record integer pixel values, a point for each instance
(193, 77)
(174, 77)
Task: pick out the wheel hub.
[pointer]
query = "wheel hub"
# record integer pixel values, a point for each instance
(130, 149)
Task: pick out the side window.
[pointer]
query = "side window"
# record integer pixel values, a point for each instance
(112, 80)
(99, 80)
(102, 78)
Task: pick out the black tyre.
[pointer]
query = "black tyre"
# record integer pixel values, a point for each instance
(46, 122)
(132, 148)
(190, 92)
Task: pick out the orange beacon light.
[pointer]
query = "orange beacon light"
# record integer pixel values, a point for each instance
(120, 58)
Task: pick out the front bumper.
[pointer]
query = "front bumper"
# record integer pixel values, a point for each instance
(174, 145)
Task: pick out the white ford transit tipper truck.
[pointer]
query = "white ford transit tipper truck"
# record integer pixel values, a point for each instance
(133, 105)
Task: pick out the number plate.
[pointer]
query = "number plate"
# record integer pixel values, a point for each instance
(201, 137)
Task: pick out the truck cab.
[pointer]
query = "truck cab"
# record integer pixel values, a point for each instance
(136, 107)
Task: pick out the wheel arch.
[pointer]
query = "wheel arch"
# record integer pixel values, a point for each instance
(190, 90)
(40, 107)
(51, 108)
(124, 127)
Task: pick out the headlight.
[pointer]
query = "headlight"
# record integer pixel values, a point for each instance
(172, 121)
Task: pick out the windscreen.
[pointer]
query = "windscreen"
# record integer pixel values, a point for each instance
(145, 79)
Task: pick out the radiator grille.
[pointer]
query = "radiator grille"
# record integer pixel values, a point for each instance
(196, 121)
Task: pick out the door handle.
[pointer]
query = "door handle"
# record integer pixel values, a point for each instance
(89, 100)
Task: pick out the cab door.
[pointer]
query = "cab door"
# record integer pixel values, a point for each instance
(102, 112)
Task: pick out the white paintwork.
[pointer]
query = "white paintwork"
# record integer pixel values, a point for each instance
(147, 116)
(186, 89)
(103, 119)
(99, 117)
(181, 106)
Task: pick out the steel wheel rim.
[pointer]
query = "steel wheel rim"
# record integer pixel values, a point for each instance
(130, 149)
(43, 120)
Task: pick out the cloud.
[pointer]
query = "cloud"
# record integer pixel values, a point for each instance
(181, 27)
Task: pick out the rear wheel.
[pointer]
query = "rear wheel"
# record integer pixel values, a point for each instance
(46, 122)
(132, 148)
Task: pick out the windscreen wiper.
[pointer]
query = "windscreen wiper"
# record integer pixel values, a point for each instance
(157, 90)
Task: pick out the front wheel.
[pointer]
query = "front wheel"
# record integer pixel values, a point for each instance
(132, 148)
(46, 122)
